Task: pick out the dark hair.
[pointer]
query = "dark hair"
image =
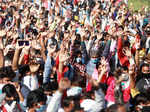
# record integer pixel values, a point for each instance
(32, 98)
(51, 86)
(126, 43)
(66, 101)
(88, 95)
(79, 80)
(144, 65)
(3, 75)
(41, 96)
(7, 72)
(140, 98)
(114, 107)
(35, 96)
(121, 27)
(77, 108)
(10, 91)
(117, 72)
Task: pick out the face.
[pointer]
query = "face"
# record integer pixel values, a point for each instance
(121, 109)
(7, 63)
(6, 80)
(148, 61)
(145, 69)
(94, 59)
(69, 109)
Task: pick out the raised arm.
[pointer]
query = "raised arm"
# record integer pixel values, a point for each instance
(55, 102)
(16, 57)
(49, 62)
(43, 47)
(1, 58)
(83, 48)
(107, 49)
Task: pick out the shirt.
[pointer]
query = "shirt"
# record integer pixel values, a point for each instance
(31, 82)
(148, 43)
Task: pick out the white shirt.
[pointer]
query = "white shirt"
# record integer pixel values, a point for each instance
(31, 82)
(148, 43)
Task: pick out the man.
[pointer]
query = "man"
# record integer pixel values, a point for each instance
(116, 108)
(147, 45)
(143, 79)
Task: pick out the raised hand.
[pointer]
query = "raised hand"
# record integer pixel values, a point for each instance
(82, 35)
(103, 61)
(73, 38)
(63, 56)
(99, 36)
(34, 68)
(64, 84)
(43, 34)
(2, 33)
(127, 52)
(137, 44)
(51, 50)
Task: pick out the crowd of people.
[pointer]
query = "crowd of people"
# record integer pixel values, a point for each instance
(74, 56)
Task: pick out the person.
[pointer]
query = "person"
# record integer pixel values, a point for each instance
(142, 83)
(13, 98)
(36, 101)
(116, 108)
(74, 56)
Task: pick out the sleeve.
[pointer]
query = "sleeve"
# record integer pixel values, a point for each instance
(55, 102)
(100, 100)
(107, 49)
(16, 78)
(72, 49)
(122, 58)
(148, 43)
(26, 58)
(60, 75)
(47, 69)
(84, 53)
(90, 43)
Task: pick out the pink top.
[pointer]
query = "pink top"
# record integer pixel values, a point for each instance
(46, 4)
(110, 91)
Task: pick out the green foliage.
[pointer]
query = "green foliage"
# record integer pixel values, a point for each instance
(137, 5)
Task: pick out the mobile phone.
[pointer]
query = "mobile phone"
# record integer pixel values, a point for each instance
(21, 43)
(26, 43)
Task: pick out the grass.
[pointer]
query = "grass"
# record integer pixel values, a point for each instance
(136, 5)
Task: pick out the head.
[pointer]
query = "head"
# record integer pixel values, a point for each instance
(94, 54)
(79, 57)
(52, 43)
(117, 108)
(147, 30)
(140, 101)
(7, 74)
(68, 104)
(122, 73)
(11, 93)
(36, 100)
(147, 59)
(145, 68)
